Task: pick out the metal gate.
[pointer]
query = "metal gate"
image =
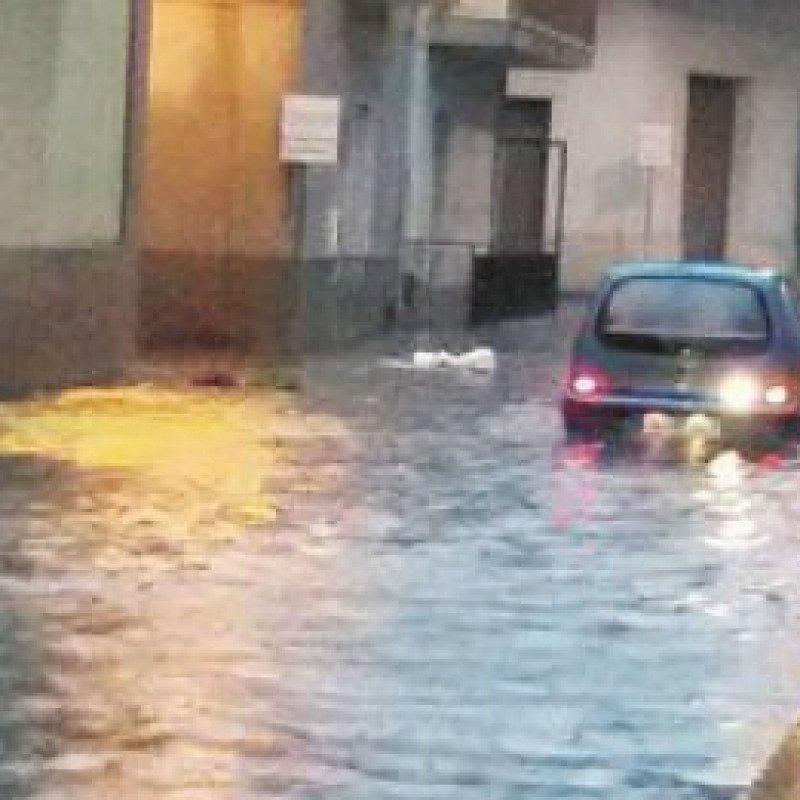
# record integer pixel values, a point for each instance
(519, 275)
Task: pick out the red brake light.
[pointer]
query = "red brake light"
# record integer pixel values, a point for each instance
(587, 382)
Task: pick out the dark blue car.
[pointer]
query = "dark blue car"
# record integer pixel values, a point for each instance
(689, 345)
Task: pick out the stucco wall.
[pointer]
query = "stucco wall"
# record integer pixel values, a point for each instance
(466, 97)
(214, 211)
(645, 52)
(351, 208)
(212, 181)
(62, 116)
(66, 317)
(65, 291)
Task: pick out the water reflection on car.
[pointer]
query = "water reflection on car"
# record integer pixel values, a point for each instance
(687, 347)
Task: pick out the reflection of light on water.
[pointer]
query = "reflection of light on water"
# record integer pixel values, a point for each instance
(140, 696)
(179, 687)
(728, 500)
(736, 534)
(154, 475)
(727, 470)
(728, 527)
(574, 491)
(737, 550)
(745, 595)
(151, 635)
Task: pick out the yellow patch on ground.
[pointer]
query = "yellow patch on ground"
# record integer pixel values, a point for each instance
(184, 468)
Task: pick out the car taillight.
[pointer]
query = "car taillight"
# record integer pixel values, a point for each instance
(587, 382)
(777, 394)
(780, 391)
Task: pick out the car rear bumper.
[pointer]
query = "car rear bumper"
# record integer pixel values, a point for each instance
(607, 415)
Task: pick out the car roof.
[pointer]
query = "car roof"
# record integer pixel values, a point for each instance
(713, 270)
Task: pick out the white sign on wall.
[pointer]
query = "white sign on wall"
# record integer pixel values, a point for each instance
(655, 145)
(482, 9)
(310, 129)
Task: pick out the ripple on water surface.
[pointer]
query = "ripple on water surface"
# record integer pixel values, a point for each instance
(471, 614)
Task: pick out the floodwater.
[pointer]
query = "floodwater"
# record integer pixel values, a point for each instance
(421, 595)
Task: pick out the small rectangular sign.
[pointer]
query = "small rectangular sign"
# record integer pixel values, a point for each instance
(655, 145)
(310, 129)
(482, 9)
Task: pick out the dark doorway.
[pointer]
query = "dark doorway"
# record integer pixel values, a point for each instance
(710, 128)
(522, 154)
(519, 274)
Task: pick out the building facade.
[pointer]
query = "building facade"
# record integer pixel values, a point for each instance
(394, 226)
(595, 131)
(66, 255)
(142, 202)
(145, 203)
(682, 135)
(213, 212)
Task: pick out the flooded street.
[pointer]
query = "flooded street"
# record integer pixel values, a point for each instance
(416, 594)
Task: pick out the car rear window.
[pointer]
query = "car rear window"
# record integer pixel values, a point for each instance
(658, 310)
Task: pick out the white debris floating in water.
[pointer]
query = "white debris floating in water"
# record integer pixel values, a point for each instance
(481, 359)
(728, 466)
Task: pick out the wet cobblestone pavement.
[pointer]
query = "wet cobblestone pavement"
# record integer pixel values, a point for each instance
(448, 605)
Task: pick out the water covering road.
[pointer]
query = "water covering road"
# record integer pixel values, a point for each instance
(451, 605)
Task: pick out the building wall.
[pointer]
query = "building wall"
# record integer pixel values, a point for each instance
(419, 166)
(466, 93)
(65, 293)
(351, 208)
(214, 211)
(349, 213)
(645, 52)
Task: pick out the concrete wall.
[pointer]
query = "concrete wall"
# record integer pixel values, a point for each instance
(645, 52)
(466, 93)
(352, 208)
(351, 212)
(418, 130)
(66, 317)
(62, 116)
(212, 180)
(214, 211)
(66, 297)
(467, 96)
